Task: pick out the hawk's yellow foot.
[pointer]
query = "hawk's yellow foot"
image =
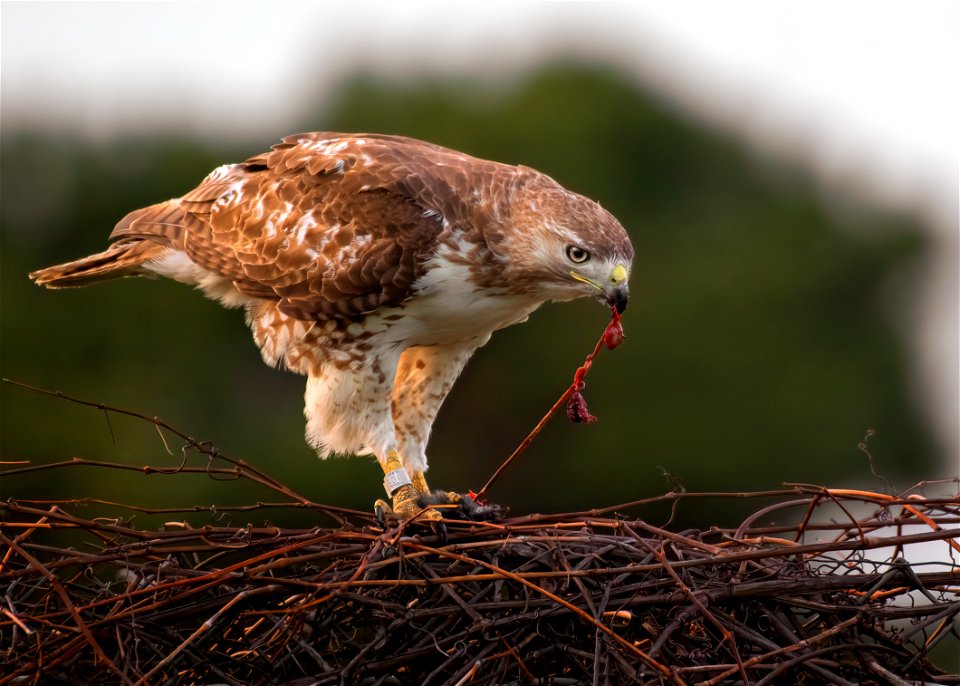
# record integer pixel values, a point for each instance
(405, 492)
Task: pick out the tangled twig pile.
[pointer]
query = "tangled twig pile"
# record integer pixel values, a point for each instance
(585, 597)
(821, 586)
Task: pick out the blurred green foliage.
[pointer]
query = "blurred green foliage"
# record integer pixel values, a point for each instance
(759, 347)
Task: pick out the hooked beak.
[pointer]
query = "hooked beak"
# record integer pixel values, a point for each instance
(615, 292)
(618, 297)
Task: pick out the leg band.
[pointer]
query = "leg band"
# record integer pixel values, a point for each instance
(394, 479)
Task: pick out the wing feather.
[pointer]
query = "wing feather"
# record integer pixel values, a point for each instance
(330, 225)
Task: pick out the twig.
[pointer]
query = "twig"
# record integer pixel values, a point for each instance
(574, 387)
(68, 603)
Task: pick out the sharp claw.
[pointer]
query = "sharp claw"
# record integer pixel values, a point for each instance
(440, 529)
(380, 511)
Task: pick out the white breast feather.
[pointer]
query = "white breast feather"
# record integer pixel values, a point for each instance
(450, 307)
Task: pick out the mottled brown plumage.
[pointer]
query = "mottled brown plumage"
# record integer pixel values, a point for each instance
(373, 264)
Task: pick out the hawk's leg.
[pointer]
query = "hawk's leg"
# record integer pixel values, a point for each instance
(404, 491)
(424, 376)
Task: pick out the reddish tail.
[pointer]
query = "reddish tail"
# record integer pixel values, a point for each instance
(125, 258)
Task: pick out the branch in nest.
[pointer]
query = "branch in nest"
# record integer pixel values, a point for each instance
(582, 598)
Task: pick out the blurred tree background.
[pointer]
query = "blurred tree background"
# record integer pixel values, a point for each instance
(759, 349)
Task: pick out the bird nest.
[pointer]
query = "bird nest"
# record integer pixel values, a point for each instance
(820, 585)
(832, 596)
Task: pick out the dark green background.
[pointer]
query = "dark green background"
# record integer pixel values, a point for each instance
(759, 346)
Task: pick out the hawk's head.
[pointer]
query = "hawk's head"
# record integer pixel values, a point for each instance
(566, 246)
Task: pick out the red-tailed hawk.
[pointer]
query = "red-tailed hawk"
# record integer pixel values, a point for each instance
(375, 266)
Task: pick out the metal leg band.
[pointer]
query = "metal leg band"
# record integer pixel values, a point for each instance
(394, 479)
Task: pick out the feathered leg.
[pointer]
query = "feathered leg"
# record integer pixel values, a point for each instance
(348, 411)
(425, 375)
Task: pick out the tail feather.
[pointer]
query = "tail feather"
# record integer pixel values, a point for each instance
(125, 258)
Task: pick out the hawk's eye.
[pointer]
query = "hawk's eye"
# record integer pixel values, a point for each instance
(577, 254)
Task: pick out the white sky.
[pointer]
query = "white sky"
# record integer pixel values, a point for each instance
(863, 92)
(862, 89)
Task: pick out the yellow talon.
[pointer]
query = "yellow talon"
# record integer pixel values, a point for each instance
(406, 506)
(405, 491)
